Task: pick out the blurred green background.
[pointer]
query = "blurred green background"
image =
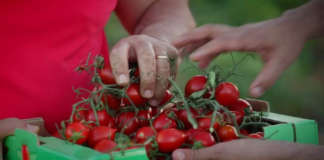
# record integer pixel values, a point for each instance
(299, 91)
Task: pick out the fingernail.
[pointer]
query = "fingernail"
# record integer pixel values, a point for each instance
(154, 102)
(148, 93)
(122, 79)
(179, 155)
(257, 92)
(32, 128)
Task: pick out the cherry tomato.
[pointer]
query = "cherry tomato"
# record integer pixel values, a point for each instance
(163, 122)
(112, 101)
(57, 135)
(226, 93)
(239, 115)
(191, 132)
(227, 133)
(240, 105)
(170, 139)
(143, 117)
(133, 92)
(127, 122)
(154, 111)
(103, 117)
(205, 138)
(183, 116)
(106, 75)
(105, 146)
(204, 123)
(76, 132)
(167, 96)
(196, 83)
(100, 132)
(244, 132)
(80, 115)
(255, 135)
(144, 134)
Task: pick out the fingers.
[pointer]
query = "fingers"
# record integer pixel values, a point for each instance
(272, 69)
(200, 154)
(8, 126)
(119, 62)
(193, 36)
(210, 50)
(197, 35)
(147, 65)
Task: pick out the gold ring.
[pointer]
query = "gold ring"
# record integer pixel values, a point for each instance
(162, 57)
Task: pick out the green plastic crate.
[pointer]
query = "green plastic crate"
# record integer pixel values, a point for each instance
(50, 148)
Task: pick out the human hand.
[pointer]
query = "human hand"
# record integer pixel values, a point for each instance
(8, 126)
(251, 149)
(153, 57)
(278, 42)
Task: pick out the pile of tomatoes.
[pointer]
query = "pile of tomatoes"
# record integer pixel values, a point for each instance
(114, 118)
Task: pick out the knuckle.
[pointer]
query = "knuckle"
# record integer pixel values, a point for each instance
(208, 26)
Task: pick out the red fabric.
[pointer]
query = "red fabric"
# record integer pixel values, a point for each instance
(41, 44)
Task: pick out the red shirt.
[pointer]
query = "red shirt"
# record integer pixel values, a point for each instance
(41, 44)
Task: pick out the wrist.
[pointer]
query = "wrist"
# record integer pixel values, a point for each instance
(306, 20)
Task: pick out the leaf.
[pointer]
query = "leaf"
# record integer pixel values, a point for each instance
(198, 94)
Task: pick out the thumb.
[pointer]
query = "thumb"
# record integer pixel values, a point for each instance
(189, 154)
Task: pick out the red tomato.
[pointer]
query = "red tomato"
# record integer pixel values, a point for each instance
(204, 123)
(170, 139)
(80, 115)
(112, 101)
(227, 133)
(133, 92)
(76, 132)
(154, 111)
(240, 105)
(103, 117)
(191, 132)
(57, 135)
(226, 93)
(143, 117)
(100, 132)
(244, 132)
(144, 134)
(106, 75)
(105, 146)
(196, 83)
(256, 135)
(167, 96)
(238, 117)
(183, 116)
(127, 122)
(205, 138)
(163, 122)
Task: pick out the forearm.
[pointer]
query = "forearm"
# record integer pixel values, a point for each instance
(308, 19)
(165, 19)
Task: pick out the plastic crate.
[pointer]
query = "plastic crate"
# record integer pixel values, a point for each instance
(51, 148)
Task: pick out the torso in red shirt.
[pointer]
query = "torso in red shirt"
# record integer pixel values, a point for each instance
(41, 44)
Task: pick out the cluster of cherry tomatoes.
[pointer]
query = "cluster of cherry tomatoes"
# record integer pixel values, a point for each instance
(115, 118)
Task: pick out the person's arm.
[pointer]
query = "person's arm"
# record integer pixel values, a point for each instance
(250, 149)
(279, 41)
(154, 24)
